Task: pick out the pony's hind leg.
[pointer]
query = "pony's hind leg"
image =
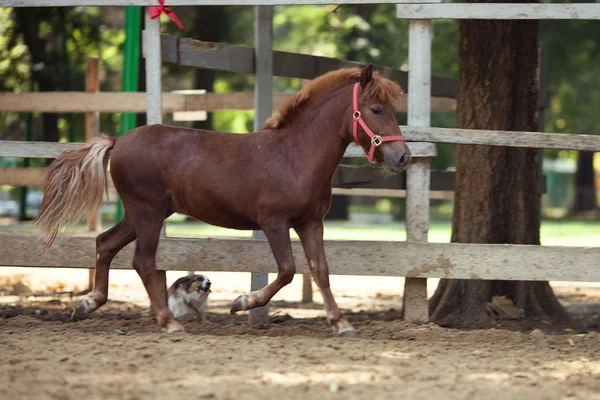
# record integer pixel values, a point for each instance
(144, 262)
(311, 236)
(279, 241)
(108, 244)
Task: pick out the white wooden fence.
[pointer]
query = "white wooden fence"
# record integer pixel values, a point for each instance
(415, 259)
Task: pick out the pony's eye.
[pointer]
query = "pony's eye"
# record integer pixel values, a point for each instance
(377, 110)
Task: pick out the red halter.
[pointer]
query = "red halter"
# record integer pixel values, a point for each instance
(376, 140)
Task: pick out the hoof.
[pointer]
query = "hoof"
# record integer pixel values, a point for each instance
(84, 307)
(172, 327)
(348, 333)
(240, 304)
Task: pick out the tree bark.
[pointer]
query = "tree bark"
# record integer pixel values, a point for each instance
(496, 198)
(44, 60)
(585, 184)
(211, 26)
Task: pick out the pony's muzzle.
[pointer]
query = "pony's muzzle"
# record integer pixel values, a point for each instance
(396, 156)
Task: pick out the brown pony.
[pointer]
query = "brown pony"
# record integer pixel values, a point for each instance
(271, 180)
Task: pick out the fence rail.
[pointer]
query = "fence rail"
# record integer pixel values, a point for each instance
(582, 11)
(538, 140)
(421, 142)
(13, 148)
(117, 102)
(227, 57)
(172, 3)
(413, 260)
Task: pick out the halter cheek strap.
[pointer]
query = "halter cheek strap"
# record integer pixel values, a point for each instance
(376, 140)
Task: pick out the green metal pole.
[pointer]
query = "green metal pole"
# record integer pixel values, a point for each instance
(131, 56)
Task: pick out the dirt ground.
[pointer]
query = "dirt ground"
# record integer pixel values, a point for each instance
(119, 353)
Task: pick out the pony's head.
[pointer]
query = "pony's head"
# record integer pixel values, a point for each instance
(369, 99)
(378, 133)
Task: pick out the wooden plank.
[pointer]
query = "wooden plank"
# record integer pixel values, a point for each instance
(152, 52)
(263, 96)
(582, 11)
(14, 148)
(10, 148)
(113, 102)
(33, 177)
(417, 150)
(366, 177)
(212, 55)
(92, 129)
(361, 258)
(307, 292)
(174, 3)
(227, 57)
(537, 140)
(397, 193)
(416, 307)
(417, 200)
(81, 102)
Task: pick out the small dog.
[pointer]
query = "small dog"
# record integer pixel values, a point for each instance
(188, 297)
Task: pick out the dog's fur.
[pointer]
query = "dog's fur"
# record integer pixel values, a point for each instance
(188, 297)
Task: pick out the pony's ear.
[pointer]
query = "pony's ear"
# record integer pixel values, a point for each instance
(366, 75)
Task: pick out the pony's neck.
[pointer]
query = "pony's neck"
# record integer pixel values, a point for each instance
(322, 131)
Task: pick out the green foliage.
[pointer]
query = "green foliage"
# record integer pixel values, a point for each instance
(364, 33)
(573, 65)
(69, 35)
(12, 50)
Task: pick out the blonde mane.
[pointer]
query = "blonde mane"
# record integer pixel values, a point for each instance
(382, 88)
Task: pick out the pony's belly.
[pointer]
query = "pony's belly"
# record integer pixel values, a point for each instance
(222, 219)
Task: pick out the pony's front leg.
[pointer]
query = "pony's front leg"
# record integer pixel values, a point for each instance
(279, 241)
(311, 235)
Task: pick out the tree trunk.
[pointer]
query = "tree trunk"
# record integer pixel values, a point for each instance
(210, 26)
(496, 187)
(45, 61)
(585, 184)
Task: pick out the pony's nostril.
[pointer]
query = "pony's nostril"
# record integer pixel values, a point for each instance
(403, 159)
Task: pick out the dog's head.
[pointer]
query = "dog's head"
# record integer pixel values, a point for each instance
(192, 284)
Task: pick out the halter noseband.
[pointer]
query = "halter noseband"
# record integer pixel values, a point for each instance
(376, 140)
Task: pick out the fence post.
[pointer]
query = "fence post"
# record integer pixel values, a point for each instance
(416, 308)
(263, 104)
(307, 289)
(307, 292)
(92, 129)
(151, 48)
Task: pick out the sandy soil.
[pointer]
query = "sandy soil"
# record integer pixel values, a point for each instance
(120, 353)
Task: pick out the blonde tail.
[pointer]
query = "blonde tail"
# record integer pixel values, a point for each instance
(73, 186)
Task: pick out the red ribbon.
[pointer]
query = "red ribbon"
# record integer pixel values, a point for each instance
(156, 11)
